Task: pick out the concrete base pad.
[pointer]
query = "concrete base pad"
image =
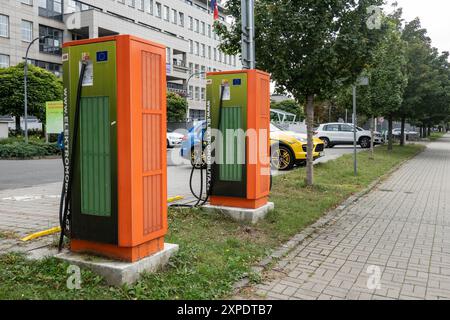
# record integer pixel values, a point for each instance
(244, 215)
(117, 273)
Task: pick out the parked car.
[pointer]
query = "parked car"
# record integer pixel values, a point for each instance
(287, 148)
(409, 134)
(174, 139)
(333, 134)
(290, 148)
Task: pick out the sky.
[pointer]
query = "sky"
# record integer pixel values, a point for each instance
(435, 17)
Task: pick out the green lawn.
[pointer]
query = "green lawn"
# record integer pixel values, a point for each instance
(215, 252)
(436, 136)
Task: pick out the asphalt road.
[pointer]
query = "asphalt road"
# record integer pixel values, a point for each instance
(21, 174)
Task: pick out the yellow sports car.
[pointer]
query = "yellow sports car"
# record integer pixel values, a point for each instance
(289, 148)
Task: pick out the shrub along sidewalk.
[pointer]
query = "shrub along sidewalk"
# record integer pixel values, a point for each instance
(215, 252)
(16, 148)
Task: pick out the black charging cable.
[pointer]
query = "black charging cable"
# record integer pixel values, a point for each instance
(200, 201)
(66, 217)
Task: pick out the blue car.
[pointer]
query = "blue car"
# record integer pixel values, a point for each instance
(194, 139)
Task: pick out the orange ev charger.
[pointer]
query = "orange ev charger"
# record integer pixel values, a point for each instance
(119, 198)
(245, 105)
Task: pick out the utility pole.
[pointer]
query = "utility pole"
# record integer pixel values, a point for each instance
(248, 34)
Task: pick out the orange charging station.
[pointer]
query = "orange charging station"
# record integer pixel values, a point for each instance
(118, 192)
(241, 100)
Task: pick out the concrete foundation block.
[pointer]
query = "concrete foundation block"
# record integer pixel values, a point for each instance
(117, 273)
(243, 215)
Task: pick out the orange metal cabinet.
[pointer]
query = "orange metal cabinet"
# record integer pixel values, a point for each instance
(249, 91)
(140, 160)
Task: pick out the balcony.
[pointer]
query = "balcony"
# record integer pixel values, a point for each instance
(177, 88)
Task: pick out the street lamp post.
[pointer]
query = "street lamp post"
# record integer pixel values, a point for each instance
(187, 87)
(25, 80)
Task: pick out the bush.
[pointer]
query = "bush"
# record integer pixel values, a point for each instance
(21, 150)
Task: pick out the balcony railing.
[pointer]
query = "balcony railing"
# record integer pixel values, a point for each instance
(180, 66)
(177, 88)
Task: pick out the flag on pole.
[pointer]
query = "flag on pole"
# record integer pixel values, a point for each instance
(215, 9)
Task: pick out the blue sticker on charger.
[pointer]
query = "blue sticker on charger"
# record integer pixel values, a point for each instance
(237, 82)
(102, 56)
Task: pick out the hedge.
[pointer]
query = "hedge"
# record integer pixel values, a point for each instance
(21, 150)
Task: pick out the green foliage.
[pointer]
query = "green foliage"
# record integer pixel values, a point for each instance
(310, 47)
(290, 106)
(16, 148)
(176, 107)
(43, 86)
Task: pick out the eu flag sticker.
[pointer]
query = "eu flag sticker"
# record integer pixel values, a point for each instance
(102, 56)
(237, 82)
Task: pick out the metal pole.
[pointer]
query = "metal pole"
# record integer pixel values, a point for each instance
(251, 33)
(187, 89)
(355, 161)
(25, 83)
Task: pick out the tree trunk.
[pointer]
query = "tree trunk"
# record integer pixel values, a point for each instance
(429, 130)
(390, 142)
(310, 134)
(372, 138)
(402, 134)
(18, 129)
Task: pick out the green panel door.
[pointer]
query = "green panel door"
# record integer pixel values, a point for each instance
(233, 147)
(95, 149)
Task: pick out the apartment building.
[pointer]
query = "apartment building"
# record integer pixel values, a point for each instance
(184, 26)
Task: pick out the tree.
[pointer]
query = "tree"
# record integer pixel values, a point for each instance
(310, 47)
(176, 107)
(290, 106)
(43, 86)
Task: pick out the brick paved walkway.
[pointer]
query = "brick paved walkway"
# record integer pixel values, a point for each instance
(400, 231)
(25, 211)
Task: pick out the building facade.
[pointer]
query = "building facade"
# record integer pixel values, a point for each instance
(184, 26)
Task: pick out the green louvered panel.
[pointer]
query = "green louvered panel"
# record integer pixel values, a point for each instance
(95, 156)
(233, 147)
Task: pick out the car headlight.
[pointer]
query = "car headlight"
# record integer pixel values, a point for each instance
(303, 140)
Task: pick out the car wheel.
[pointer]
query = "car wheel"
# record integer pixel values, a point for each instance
(168, 144)
(195, 159)
(282, 159)
(326, 142)
(364, 143)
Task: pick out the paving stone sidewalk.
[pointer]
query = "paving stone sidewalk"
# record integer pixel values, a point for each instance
(393, 243)
(26, 211)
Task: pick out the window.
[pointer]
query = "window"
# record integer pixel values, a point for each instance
(220, 56)
(203, 96)
(27, 30)
(52, 9)
(28, 2)
(215, 54)
(166, 13)
(191, 23)
(209, 52)
(4, 61)
(4, 26)
(203, 70)
(203, 28)
(131, 3)
(174, 16)
(332, 128)
(158, 10)
(148, 6)
(191, 46)
(77, 6)
(191, 68)
(197, 93)
(209, 30)
(52, 67)
(181, 19)
(197, 25)
(168, 54)
(197, 48)
(190, 92)
(346, 128)
(197, 71)
(140, 5)
(203, 52)
(52, 44)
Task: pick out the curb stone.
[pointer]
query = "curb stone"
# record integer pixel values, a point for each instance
(327, 219)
